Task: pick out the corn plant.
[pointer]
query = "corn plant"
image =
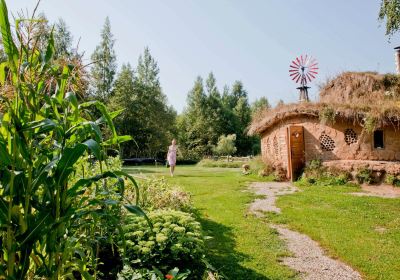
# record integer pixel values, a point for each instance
(45, 220)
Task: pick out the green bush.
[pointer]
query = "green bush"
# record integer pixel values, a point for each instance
(258, 167)
(128, 273)
(392, 180)
(157, 193)
(220, 163)
(175, 241)
(364, 175)
(316, 173)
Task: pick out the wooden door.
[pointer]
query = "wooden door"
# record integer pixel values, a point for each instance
(296, 151)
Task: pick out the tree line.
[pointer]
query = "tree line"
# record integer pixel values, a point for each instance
(209, 114)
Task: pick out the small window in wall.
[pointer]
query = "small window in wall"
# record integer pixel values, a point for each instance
(378, 139)
(326, 142)
(350, 136)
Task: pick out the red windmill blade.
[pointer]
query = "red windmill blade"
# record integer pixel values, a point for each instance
(303, 69)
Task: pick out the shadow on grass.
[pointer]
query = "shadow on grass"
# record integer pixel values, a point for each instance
(222, 254)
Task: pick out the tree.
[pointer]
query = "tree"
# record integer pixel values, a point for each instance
(104, 65)
(62, 39)
(146, 117)
(259, 105)
(390, 11)
(123, 98)
(209, 115)
(226, 145)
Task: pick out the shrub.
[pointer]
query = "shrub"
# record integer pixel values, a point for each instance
(258, 167)
(174, 241)
(128, 273)
(279, 174)
(364, 175)
(157, 193)
(392, 180)
(218, 163)
(315, 172)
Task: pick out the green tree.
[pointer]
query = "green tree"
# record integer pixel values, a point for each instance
(237, 102)
(146, 117)
(193, 129)
(260, 105)
(104, 65)
(62, 39)
(390, 11)
(226, 145)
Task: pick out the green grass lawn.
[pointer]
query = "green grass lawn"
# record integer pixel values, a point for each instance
(362, 231)
(242, 246)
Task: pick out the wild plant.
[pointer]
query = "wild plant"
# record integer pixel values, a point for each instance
(49, 223)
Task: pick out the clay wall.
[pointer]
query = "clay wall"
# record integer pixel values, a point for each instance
(339, 141)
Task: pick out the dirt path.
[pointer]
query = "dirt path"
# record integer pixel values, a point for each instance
(308, 258)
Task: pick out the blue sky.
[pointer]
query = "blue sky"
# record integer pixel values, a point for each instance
(253, 41)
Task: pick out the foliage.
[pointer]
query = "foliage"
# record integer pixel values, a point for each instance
(220, 163)
(226, 145)
(175, 240)
(279, 174)
(390, 11)
(104, 65)
(146, 116)
(260, 105)
(392, 179)
(128, 273)
(364, 175)
(46, 219)
(259, 167)
(157, 193)
(370, 123)
(327, 115)
(62, 40)
(209, 115)
(241, 246)
(316, 174)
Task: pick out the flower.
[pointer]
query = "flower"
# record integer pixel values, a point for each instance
(169, 276)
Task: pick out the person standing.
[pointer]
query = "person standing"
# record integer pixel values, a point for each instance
(171, 157)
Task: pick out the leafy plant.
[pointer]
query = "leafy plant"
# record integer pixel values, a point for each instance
(157, 193)
(129, 273)
(327, 115)
(392, 179)
(219, 163)
(364, 175)
(316, 173)
(174, 241)
(47, 222)
(226, 145)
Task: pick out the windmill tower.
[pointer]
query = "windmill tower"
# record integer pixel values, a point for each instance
(302, 70)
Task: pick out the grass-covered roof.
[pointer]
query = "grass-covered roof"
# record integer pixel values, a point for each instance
(366, 98)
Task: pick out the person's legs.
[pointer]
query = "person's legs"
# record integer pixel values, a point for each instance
(172, 169)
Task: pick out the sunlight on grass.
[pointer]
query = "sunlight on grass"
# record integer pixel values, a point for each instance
(362, 231)
(241, 246)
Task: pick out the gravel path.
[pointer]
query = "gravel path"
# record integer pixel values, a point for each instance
(270, 190)
(308, 258)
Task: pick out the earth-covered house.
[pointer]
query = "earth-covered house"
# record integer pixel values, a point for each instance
(355, 124)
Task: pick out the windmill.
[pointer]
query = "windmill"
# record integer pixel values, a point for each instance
(302, 70)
